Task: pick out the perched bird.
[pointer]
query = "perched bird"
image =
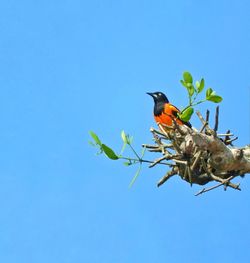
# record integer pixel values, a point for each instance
(165, 112)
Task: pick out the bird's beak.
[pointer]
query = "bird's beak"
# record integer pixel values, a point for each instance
(150, 94)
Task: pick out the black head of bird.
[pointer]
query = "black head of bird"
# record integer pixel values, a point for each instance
(158, 97)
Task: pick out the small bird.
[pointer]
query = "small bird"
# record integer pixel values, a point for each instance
(165, 112)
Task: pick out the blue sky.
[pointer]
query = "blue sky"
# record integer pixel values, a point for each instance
(68, 67)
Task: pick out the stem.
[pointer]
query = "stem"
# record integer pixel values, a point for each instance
(136, 154)
(197, 103)
(192, 105)
(141, 160)
(196, 94)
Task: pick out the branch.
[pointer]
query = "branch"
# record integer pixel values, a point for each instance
(200, 157)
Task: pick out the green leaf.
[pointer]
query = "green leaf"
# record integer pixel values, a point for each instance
(183, 83)
(215, 98)
(201, 86)
(186, 114)
(190, 89)
(124, 137)
(127, 163)
(212, 96)
(109, 152)
(125, 141)
(95, 138)
(197, 84)
(187, 77)
(135, 177)
(208, 93)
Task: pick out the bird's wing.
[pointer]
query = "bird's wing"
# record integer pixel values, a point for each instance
(172, 110)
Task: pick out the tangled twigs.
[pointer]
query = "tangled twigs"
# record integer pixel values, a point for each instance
(225, 183)
(200, 156)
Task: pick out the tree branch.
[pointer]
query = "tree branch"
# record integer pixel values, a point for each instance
(201, 156)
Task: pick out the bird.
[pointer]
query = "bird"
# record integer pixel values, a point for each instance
(164, 111)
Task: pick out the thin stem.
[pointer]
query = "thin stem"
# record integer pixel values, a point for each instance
(199, 102)
(192, 105)
(141, 160)
(190, 100)
(195, 97)
(136, 154)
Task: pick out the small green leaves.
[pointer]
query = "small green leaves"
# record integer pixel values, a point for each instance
(109, 152)
(95, 138)
(186, 114)
(126, 138)
(193, 92)
(208, 92)
(103, 147)
(212, 96)
(200, 85)
(187, 82)
(187, 77)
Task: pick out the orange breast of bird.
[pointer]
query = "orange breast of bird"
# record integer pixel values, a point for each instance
(168, 113)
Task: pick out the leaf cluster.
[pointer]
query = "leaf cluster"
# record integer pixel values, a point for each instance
(193, 91)
(110, 153)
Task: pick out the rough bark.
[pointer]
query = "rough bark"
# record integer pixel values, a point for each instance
(201, 156)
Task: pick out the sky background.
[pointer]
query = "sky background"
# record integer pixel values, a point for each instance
(68, 67)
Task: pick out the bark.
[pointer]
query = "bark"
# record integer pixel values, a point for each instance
(201, 156)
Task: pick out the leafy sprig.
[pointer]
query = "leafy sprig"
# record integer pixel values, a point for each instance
(193, 91)
(110, 153)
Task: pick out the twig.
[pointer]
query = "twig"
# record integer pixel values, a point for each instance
(200, 117)
(203, 127)
(164, 133)
(216, 119)
(148, 146)
(157, 161)
(169, 174)
(197, 159)
(207, 115)
(176, 126)
(154, 131)
(179, 161)
(225, 181)
(142, 161)
(208, 129)
(204, 190)
(224, 134)
(188, 174)
(176, 146)
(230, 141)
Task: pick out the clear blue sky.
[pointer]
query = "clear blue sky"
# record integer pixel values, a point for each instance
(67, 67)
